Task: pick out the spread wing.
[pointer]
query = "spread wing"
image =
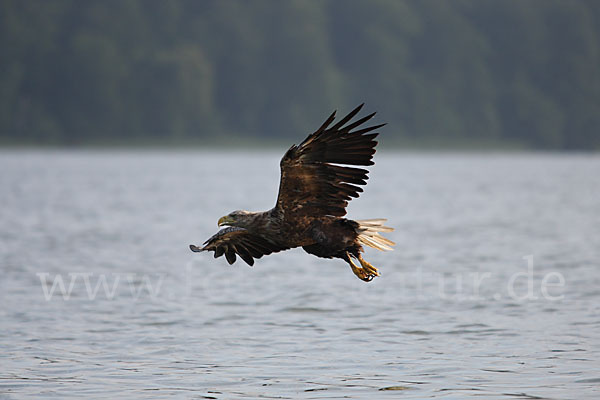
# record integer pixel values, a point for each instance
(233, 240)
(311, 182)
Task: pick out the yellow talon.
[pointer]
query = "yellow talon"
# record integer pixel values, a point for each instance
(367, 273)
(368, 267)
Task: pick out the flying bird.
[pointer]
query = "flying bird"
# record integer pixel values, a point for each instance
(315, 187)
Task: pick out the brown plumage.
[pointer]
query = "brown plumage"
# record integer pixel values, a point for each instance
(314, 190)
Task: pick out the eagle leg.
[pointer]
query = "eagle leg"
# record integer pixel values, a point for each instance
(361, 273)
(368, 267)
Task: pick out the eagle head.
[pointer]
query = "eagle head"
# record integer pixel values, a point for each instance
(239, 218)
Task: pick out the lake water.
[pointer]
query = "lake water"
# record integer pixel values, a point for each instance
(493, 290)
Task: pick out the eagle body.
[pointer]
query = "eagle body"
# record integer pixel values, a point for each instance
(318, 179)
(332, 237)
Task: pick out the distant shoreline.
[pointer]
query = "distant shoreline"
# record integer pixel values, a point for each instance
(254, 143)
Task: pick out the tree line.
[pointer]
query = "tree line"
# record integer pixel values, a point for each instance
(81, 72)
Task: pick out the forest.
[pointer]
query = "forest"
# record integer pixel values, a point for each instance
(509, 73)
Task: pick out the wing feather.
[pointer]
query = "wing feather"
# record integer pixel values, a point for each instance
(230, 255)
(234, 241)
(315, 178)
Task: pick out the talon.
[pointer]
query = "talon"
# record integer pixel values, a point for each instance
(367, 273)
(368, 267)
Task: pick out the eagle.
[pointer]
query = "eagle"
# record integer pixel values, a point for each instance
(318, 179)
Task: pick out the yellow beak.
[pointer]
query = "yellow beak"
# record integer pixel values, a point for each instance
(224, 221)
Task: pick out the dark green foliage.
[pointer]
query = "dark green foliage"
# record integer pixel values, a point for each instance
(79, 72)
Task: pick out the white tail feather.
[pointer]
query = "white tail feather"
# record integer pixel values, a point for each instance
(368, 234)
